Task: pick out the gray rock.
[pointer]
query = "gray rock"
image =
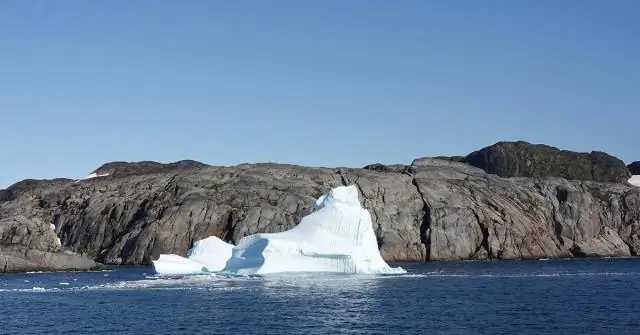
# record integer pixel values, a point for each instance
(123, 169)
(31, 245)
(20, 259)
(522, 159)
(396, 168)
(28, 185)
(441, 210)
(6, 195)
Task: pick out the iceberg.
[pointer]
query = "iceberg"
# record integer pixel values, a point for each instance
(337, 237)
(206, 255)
(635, 180)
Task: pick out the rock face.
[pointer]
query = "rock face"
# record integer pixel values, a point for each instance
(433, 210)
(634, 168)
(31, 245)
(522, 159)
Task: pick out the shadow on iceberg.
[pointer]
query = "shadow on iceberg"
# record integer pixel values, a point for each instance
(338, 238)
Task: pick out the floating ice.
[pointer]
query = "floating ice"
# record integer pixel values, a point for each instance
(337, 237)
(635, 180)
(207, 255)
(171, 264)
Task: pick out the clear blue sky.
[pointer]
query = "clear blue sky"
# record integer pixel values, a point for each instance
(322, 83)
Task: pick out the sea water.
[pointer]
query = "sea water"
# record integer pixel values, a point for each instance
(597, 296)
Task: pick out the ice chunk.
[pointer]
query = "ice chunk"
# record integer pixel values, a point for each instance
(206, 255)
(337, 237)
(635, 180)
(171, 264)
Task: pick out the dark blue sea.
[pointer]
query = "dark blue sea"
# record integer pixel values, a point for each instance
(598, 296)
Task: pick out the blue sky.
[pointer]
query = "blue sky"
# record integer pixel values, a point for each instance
(322, 83)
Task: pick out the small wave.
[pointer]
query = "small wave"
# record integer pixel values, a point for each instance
(33, 289)
(532, 275)
(69, 271)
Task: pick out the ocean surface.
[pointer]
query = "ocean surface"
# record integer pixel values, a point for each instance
(598, 296)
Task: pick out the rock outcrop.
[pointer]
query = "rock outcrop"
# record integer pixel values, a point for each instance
(634, 168)
(434, 209)
(522, 159)
(32, 245)
(123, 169)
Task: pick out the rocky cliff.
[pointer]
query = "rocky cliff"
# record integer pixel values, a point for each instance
(434, 209)
(634, 168)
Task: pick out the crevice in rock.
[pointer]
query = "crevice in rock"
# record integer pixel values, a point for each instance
(190, 232)
(562, 194)
(632, 250)
(228, 229)
(343, 178)
(485, 236)
(139, 215)
(557, 228)
(364, 196)
(425, 225)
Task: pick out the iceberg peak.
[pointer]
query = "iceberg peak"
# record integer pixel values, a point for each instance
(347, 195)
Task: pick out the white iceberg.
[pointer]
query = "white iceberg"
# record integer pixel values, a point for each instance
(172, 264)
(635, 180)
(337, 237)
(207, 255)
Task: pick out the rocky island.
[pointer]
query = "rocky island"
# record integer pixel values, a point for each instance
(511, 200)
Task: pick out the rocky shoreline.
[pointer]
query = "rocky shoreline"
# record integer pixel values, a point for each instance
(512, 200)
